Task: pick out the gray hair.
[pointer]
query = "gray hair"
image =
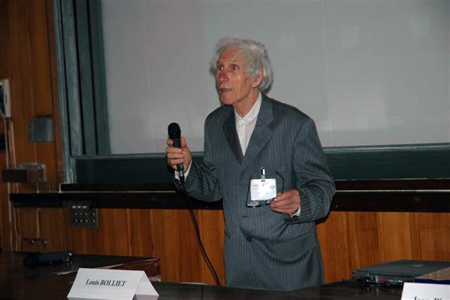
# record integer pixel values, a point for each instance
(257, 58)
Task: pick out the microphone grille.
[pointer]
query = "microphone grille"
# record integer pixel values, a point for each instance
(174, 130)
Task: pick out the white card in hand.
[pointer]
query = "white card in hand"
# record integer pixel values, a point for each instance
(263, 189)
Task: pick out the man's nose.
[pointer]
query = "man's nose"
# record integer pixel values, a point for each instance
(223, 76)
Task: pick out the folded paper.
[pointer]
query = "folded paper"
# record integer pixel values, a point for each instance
(102, 284)
(425, 291)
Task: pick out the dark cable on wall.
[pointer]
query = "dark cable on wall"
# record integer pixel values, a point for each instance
(197, 231)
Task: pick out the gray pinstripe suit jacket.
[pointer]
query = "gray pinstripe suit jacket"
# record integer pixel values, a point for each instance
(265, 249)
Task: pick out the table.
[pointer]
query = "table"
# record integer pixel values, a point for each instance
(54, 282)
(20, 283)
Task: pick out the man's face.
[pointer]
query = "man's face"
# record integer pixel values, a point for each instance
(235, 86)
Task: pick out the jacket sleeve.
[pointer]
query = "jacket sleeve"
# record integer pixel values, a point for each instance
(313, 177)
(202, 182)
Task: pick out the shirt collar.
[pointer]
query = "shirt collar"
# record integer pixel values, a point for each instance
(252, 114)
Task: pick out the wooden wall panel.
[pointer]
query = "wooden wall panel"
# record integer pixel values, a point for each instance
(53, 228)
(22, 98)
(28, 228)
(335, 246)
(176, 245)
(163, 233)
(394, 235)
(111, 238)
(433, 236)
(140, 232)
(42, 88)
(188, 248)
(349, 240)
(165, 230)
(4, 31)
(40, 56)
(112, 233)
(26, 62)
(372, 238)
(363, 239)
(5, 232)
(212, 230)
(8, 216)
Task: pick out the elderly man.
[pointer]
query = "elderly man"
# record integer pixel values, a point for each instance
(268, 244)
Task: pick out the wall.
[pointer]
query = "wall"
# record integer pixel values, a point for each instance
(368, 72)
(349, 240)
(28, 62)
(353, 239)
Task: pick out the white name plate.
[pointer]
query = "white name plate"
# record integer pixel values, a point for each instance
(425, 291)
(102, 284)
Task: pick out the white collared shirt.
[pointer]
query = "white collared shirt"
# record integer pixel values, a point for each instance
(246, 124)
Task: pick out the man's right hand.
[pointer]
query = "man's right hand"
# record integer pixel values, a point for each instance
(175, 156)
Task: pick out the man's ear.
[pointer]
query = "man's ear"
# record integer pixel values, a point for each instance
(257, 81)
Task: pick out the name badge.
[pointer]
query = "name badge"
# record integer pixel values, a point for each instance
(106, 284)
(263, 189)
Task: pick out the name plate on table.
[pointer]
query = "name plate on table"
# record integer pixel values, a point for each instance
(425, 291)
(96, 284)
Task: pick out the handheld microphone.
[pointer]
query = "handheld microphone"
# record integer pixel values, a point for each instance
(175, 135)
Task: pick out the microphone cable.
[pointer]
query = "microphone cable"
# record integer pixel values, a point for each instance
(197, 231)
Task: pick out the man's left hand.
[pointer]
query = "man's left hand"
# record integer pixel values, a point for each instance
(287, 202)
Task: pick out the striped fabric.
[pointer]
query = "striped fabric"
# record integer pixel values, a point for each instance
(265, 249)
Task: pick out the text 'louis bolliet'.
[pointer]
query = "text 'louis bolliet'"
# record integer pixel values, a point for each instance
(119, 283)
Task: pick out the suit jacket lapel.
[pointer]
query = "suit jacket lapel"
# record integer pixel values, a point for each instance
(229, 128)
(261, 134)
